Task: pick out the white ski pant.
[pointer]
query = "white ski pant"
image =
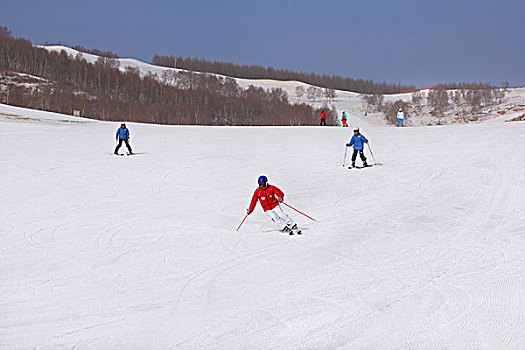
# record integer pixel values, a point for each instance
(280, 218)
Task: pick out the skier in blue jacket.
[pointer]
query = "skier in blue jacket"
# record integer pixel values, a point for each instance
(123, 135)
(358, 141)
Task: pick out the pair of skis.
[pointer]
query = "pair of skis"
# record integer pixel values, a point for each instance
(358, 167)
(289, 206)
(294, 231)
(351, 167)
(118, 154)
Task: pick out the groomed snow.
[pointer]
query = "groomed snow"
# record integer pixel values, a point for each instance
(425, 250)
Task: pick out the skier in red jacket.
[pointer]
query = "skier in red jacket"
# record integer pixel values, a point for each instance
(270, 197)
(323, 118)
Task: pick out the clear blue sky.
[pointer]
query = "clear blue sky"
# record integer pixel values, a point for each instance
(413, 42)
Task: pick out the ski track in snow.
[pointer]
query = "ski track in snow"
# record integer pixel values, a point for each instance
(425, 250)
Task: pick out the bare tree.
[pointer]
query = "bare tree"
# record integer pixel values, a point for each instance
(373, 102)
(5, 33)
(417, 101)
(329, 94)
(108, 62)
(366, 101)
(6, 91)
(311, 92)
(318, 93)
(474, 99)
(437, 99)
(169, 77)
(505, 86)
(499, 95)
(455, 96)
(300, 91)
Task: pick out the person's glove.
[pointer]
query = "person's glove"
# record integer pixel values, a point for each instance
(347, 145)
(366, 141)
(248, 211)
(280, 199)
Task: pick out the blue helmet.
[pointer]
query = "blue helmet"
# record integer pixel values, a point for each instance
(262, 181)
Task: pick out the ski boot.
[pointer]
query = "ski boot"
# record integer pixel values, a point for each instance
(353, 164)
(296, 229)
(365, 164)
(289, 230)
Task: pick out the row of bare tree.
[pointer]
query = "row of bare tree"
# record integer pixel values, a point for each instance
(102, 91)
(260, 72)
(313, 92)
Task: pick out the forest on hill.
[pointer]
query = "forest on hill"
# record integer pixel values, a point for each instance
(63, 83)
(363, 86)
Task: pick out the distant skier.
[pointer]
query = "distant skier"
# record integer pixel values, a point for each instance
(123, 135)
(400, 117)
(323, 118)
(358, 141)
(343, 119)
(270, 197)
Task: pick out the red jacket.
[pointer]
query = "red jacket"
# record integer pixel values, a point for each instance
(323, 115)
(267, 196)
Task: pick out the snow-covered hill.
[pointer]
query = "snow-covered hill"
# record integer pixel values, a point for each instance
(424, 250)
(345, 101)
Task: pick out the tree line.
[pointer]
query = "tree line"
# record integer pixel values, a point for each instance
(260, 72)
(96, 52)
(102, 91)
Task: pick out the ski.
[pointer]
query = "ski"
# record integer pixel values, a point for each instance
(359, 167)
(126, 154)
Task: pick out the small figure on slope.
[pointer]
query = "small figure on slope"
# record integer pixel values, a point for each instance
(400, 117)
(323, 118)
(123, 135)
(358, 141)
(343, 119)
(270, 197)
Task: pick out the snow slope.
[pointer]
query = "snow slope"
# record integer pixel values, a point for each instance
(425, 250)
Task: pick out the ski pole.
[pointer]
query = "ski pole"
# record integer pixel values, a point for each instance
(289, 206)
(242, 222)
(372, 153)
(344, 160)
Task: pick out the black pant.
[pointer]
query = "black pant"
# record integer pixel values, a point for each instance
(361, 154)
(323, 122)
(120, 144)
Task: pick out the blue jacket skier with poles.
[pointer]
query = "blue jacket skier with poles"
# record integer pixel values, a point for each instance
(358, 141)
(123, 135)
